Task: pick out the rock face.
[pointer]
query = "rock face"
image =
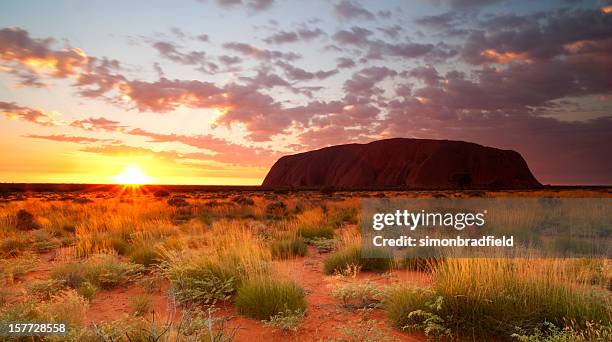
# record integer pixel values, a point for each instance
(406, 163)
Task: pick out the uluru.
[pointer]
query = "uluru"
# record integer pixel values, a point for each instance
(403, 163)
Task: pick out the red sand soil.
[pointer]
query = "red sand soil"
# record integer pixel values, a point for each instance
(324, 318)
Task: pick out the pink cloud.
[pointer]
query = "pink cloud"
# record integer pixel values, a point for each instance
(36, 116)
(67, 138)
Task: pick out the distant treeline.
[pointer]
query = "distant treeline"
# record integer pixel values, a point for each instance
(55, 187)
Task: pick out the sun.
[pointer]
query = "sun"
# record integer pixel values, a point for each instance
(132, 175)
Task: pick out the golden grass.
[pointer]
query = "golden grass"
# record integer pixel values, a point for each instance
(227, 245)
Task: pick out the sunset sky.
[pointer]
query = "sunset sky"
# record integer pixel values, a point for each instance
(213, 92)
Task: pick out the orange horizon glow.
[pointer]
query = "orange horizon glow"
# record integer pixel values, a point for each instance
(132, 175)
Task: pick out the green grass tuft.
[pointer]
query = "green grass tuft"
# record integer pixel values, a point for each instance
(264, 298)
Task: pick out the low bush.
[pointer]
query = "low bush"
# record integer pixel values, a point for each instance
(288, 247)
(145, 254)
(42, 241)
(417, 309)
(87, 290)
(264, 298)
(401, 301)
(324, 245)
(287, 320)
(551, 333)
(26, 220)
(12, 246)
(358, 295)
(44, 289)
(373, 260)
(66, 307)
(340, 215)
(276, 210)
(103, 271)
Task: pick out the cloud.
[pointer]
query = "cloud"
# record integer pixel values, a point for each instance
(540, 37)
(98, 124)
(265, 79)
(380, 49)
(355, 36)
(165, 95)
(262, 54)
(33, 115)
(519, 87)
(170, 51)
(299, 74)
(445, 20)
(332, 135)
(254, 5)
(392, 31)
(67, 138)
(345, 63)
(468, 4)
(364, 81)
(229, 60)
(346, 9)
(27, 57)
(101, 76)
(283, 37)
(223, 151)
(427, 74)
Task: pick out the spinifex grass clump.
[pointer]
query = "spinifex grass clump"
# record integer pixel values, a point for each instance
(311, 225)
(373, 260)
(342, 213)
(103, 271)
(214, 274)
(263, 298)
(202, 279)
(499, 296)
(288, 247)
(144, 253)
(401, 301)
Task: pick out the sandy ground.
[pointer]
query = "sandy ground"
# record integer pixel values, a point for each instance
(325, 318)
